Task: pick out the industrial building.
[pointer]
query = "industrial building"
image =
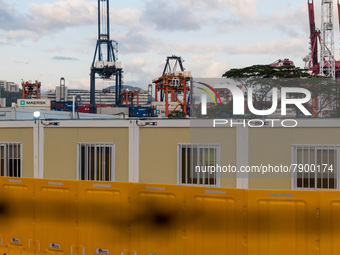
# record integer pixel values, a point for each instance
(168, 152)
(2, 102)
(9, 86)
(141, 194)
(102, 97)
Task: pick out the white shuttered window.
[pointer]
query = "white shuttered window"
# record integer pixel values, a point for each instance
(96, 161)
(193, 162)
(11, 159)
(316, 166)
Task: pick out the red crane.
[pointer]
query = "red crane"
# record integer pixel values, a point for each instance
(339, 12)
(30, 89)
(128, 97)
(175, 82)
(337, 63)
(315, 37)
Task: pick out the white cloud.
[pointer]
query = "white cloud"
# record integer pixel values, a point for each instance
(45, 18)
(21, 35)
(136, 42)
(164, 15)
(127, 17)
(139, 72)
(295, 46)
(240, 8)
(197, 47)
(207, 66)
(61, 14)
(138, 61)
(290, 22)
(163, 47)
(78, 83)
(65, 13)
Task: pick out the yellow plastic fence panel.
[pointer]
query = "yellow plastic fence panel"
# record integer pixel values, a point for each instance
(17, 233)
(104, 218)
(283, 222)
(216, 221)
(329, 222)
(56, 217)
(158, 224)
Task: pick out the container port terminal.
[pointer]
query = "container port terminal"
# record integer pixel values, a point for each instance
(173, 90)
(121, 170)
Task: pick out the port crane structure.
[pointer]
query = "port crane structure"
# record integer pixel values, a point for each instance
(321, 60)
(175, 81)
(105, 64)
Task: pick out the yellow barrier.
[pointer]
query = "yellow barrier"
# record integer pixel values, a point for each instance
(329, 222)
(283, 222)
(158, 219)
(93, 218)
(104, 218)
(216, 221)
(56, 217)
(17, 219)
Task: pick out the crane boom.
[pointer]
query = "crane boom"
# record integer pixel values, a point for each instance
(313, 34)
(338, 12)
(311, 16)
(104, 62)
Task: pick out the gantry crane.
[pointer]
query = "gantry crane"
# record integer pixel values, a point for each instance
(175, 82)
(30, 89)
(325, 63)
(128, 97)
(104, 62)
(314, 38)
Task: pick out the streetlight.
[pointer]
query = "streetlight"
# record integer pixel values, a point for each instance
(36, 116)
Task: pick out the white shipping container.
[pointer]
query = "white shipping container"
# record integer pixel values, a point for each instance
(44, 104)
(160, 108)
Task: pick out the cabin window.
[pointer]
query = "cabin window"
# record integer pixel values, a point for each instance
(96, 161)
(11, 159)
(315, 166)
(197, 164)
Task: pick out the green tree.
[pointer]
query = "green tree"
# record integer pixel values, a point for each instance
(262, 78)
(11, 97)
(176, 115)
(267, 71)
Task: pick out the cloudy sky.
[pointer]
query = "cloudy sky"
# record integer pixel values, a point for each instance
(48, 39)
